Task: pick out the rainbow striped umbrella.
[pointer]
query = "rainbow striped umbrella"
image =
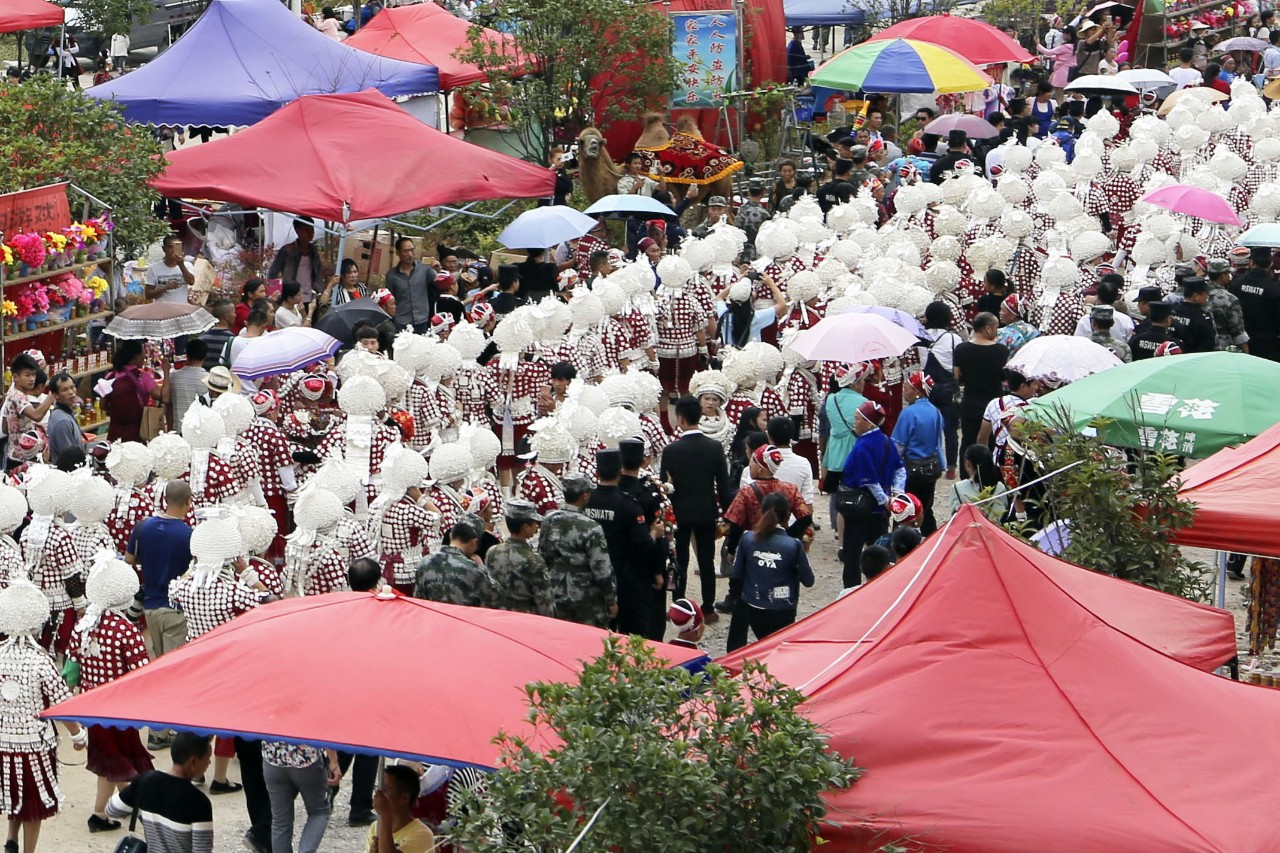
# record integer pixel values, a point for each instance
(900, 65)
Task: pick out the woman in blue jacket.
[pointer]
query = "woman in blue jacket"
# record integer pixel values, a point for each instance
(771, 565)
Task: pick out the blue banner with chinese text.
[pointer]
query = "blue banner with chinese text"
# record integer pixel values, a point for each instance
(705, 48)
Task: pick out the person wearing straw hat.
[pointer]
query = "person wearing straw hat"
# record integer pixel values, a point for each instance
(221, 381)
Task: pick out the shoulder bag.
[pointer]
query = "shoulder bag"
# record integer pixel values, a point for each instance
(858, 502)
(132, 843)
(928, 468)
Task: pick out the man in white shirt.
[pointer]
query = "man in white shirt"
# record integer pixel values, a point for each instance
(1184, 75)
(1271, 56)
(171, 279)
(794, 469)
(1108, 293)
(119, 50)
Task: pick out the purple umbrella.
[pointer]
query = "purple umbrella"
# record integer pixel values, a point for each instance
(894, 315)
(973, 127)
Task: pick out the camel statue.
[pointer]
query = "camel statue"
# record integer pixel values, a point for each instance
(677, 161)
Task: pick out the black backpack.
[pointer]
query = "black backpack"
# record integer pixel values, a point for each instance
(945, 386)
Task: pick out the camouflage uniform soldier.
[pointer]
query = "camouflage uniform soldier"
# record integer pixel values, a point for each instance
(450, 576)
(751, 215)
(1101, 319)
(517, 568)
(1224, 308)
(577, 558)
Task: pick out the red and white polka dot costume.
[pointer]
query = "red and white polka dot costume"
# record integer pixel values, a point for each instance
(88, 540)
(324, 569)
(52, 563)
(615, 340)
(112, 648)
(802, 317)
(451, 503)
(208, 602)
(473, 390)
(419, 402)
(517, 387)
(28, 745)
(803, 397)
(130, 508)
(213, 481)
(382, 435)
(771, 401)
(657, 437)
(642, 333)
(273, 453)
(404, 528)
(739, 402)
(679, 319)
(352, 540)
(780, 271)
(11, 563)
(542, 488)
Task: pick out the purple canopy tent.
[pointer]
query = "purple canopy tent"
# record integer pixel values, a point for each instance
(243, 60)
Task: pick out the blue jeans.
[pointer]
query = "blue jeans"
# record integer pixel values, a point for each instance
(284, 784)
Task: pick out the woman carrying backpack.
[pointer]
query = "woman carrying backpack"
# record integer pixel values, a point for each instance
(126, 390)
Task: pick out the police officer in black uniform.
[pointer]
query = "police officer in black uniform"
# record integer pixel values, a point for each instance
(1191, 318)
(648, 494)
(1259, 296)
(1158, 330)
(1146, 296)
(630, 540)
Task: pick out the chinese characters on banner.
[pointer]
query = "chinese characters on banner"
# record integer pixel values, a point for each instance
(41, 209)
(705, 48)
(1168, 440)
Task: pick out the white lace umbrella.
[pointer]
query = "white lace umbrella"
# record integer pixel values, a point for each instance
(1062, 359)
(159, 320)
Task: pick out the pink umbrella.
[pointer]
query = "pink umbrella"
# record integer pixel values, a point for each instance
(1193, 201)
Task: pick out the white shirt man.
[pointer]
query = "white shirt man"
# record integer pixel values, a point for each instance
(1120, 330)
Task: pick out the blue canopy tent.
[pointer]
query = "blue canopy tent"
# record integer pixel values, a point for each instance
(824, 13)
(243, 60)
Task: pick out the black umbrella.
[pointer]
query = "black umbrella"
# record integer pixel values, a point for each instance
(341, 322)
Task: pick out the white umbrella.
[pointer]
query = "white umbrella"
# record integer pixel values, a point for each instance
(615, 206)
(1062, 359)
(853, 337)
(546, 226)
(1146, 78)
(1104, 84)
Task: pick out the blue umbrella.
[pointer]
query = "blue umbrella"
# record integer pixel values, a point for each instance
(619, 206)
(1266, 235)
(545, 226)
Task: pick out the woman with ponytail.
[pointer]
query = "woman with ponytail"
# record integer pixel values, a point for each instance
(771, 565)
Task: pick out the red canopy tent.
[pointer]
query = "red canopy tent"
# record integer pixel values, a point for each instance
(17, 15)
(345, 158)
(1236, 492)
(371, 673)
(996, 708)
(423, 33)
(976, 41)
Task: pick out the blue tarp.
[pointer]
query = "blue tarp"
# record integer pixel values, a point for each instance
(243, 60)
(823, 13)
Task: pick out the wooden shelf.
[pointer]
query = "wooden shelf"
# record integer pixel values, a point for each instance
(94, 372)
(74, 321)
(95, 425)
(74, 269)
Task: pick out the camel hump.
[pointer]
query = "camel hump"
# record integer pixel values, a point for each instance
(655, 132)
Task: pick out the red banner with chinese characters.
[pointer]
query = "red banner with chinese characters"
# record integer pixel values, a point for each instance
(41, 209)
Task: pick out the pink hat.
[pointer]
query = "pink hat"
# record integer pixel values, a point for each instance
(480, 500)
(850, 374)
(872, 413)
(768, 457)
(686, 614)
(264, 401)
(1168, 348)
(645, 243)
(382, 297)
(1013, 305)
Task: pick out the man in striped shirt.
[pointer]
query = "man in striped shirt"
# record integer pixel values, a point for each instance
(176, 816)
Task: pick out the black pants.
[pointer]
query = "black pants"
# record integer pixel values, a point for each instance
(765, 622)
(705, 537)
(969, 426)
(924, 489)
(256, 801)
(639, 606)
(859, 532)
(363, 779)
(951, 433)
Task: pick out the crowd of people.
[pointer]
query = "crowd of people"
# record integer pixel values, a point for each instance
(616, 431)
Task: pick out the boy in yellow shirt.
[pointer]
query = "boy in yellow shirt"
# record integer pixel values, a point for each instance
(397, 830)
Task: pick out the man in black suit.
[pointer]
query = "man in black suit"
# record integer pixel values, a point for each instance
(698, 472)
